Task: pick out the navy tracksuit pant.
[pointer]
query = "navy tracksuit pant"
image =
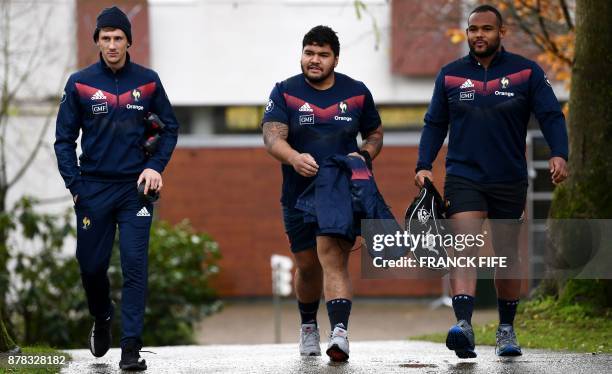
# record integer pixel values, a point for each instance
(101, 208)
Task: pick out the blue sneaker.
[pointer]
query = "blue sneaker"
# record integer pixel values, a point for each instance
(506, 346)
(460, 339)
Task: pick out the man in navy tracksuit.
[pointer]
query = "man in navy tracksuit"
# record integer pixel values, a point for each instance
(108, 101)
(488, 97)
(310, 117)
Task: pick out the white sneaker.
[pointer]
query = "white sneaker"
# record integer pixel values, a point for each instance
(310, 340)
(338, 347)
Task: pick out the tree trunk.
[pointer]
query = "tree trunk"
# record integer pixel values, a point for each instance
(587, 194)
(4, 255)
(6, 343)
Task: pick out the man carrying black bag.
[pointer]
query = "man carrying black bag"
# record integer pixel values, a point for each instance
(487, 97)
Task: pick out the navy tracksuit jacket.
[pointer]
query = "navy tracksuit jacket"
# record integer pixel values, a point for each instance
(108, 108)
(488, 111)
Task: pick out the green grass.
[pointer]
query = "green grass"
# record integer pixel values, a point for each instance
(5, 367)
(546, 324)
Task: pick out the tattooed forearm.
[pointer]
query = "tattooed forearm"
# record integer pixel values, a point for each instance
(373, 142)
(272, 131)
(275, 138)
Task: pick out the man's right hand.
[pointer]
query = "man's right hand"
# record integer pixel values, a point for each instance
(419, 178)
(304, 164)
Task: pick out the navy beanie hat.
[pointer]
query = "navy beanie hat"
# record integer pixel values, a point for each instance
(113, 17)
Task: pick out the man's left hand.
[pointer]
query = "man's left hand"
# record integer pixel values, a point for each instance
(152, 179)
(558, 169)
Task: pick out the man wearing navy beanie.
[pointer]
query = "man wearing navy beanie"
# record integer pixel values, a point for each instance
(107, 102)
(113, 17)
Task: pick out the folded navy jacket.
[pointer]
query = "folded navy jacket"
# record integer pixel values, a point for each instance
(343, 193)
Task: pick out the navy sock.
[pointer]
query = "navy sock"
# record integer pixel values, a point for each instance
(308, 311)
(339, 311)
(463, 305)
(507, 311)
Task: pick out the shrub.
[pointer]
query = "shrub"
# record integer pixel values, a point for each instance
(47, 303)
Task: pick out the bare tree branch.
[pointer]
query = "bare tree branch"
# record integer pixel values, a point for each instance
(552, 46)
(26, 9)
(547, 39)
(33, 56)
(39, 143)
(5, 90)
(544, 41)
(24, 167)
(9, 94)
(526, 28)
(527, 6)
(358, 4)
(566, 15)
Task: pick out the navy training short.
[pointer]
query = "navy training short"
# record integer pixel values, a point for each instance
(499, 200)
(302, 236)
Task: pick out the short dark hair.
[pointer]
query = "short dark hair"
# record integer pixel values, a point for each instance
(321, 35)
(488, 8)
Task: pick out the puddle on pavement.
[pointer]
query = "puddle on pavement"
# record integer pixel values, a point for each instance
(101, 368)
(337, 363)
(417, 365)
(512, 360)
(464, 366)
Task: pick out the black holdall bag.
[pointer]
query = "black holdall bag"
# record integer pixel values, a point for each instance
(424, 218)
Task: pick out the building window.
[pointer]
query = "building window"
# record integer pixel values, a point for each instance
(402, 118)
(241, 119)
